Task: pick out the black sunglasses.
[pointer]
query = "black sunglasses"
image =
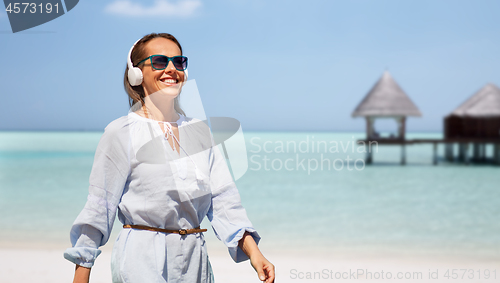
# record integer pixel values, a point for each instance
(160, 62)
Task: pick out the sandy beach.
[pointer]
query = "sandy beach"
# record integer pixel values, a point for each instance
(47, 265)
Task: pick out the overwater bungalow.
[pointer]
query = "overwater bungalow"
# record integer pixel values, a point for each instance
(386, 99)
(476, 122)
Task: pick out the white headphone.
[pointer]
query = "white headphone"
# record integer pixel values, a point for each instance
(135, 74)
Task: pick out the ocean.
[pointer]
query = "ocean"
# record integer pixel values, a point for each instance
(302, 191)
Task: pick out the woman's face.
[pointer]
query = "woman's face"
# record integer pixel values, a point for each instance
(168, 80)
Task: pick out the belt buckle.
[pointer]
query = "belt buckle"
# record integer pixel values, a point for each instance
(183, 232)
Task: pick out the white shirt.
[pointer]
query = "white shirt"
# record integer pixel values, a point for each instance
(137, 172)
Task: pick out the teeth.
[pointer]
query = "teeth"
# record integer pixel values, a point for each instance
(170, 81)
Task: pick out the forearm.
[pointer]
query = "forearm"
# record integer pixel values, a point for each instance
(82, 274)
(264, 268)
(248, 246)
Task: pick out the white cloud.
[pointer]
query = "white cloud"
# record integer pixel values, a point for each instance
(184, 8)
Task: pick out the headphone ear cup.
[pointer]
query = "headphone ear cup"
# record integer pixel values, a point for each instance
(135, 76)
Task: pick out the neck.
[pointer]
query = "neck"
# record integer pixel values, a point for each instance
(160, 109)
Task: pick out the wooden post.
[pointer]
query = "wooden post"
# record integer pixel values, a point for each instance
(369, 157)
(483, 152)
(461, 152)
(466, 153)
(402, 127)
(435, 158)
(476, 152)
(403, 154)
(449, 152)
(369, 136)
(369, 128)
(496, 153)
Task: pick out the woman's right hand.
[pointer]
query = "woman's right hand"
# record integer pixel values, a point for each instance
(82, 274)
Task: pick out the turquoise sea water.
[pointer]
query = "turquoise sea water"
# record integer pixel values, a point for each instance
(448, 209)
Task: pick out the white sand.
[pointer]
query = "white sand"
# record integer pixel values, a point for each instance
(19, 264)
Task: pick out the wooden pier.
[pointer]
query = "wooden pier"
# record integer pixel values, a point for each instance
(470, 150)
(470, 127)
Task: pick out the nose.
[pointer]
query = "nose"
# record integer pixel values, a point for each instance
(170, 67)
(171, 70)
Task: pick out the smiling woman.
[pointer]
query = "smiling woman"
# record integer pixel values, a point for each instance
(161, 171)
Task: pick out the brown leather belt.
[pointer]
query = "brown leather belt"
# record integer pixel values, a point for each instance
(180, 231)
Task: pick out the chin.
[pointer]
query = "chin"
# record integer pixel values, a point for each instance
(171, 91)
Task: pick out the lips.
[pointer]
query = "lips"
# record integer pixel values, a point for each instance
(168, 81)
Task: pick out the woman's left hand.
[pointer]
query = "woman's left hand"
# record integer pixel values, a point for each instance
(263, 267)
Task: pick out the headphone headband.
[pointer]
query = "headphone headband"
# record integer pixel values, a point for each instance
(129, 58)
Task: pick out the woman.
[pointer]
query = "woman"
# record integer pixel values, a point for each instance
(160, 170)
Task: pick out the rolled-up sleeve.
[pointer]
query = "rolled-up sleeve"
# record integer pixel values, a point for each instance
(226, 214)
(93, 225)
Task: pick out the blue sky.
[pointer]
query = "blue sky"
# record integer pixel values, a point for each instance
(273, 65)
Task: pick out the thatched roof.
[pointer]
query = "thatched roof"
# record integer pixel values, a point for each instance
(386, 98)
(484, 103)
